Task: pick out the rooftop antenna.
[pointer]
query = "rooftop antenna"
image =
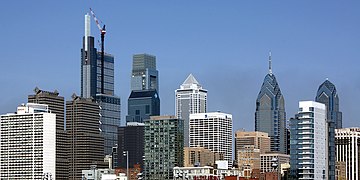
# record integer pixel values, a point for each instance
(270, 70)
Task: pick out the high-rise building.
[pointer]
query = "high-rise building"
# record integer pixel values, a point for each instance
(131, 139)
(164, 146)
(88, 63)
(348, 151)
(212, 131)
(27, 143)
(327, 95)
(110, 120)
(248, 147)
(86, 140)
(91, 87)
(142, 104)
(144, 75)
(56, 105)
(308, 142)
(189, 99)
(270, 114)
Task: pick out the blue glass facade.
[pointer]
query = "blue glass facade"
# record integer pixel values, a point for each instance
(327, 95)
(270, 114)
(143, 104)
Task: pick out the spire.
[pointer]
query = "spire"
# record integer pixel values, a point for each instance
(270, 70)
(190, 80)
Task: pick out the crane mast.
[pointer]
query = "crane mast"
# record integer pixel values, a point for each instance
(102, 32)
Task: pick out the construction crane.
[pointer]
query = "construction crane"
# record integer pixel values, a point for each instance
(102, 32)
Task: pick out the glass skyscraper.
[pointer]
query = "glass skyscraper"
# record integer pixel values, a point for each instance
(270, 116)
(91, 87)
(144, 75)
(189, 99)
(143, 104)
(327, 95)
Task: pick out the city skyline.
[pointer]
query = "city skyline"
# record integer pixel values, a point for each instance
(229, 39)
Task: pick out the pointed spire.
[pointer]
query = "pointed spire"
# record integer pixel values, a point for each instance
(270, 70)
(191, 80)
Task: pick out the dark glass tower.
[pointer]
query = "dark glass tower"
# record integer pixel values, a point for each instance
(143, 104)
(327, 95)
(91, 87)
(270, 114)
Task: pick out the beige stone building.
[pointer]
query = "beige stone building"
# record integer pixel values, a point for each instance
(199, 156)
(259, 140)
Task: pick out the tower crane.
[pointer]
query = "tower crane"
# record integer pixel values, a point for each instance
(102, 32)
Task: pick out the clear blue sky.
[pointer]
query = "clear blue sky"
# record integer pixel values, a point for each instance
(224, 44)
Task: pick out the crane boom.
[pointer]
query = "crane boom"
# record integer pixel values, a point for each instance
(103, 32)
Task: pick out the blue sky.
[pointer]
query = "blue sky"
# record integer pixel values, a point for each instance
(225, 44)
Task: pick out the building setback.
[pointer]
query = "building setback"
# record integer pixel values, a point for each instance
(56, 105)
(347, 151)
(308, 142)
(86, 142)
(144, 75)
(27, 143)
(259, 140)
(212, 131)
(327, 95)
(164, 146)
(189, 99)
(270, 116)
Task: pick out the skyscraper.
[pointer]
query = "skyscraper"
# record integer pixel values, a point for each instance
(91, 87)
(212, 131)
(56, 105)
(88, 63)
(270, 114)
(327, 95)
(348, 151)
(142, 104)
(308, 142)
(27, 143)
(86, 141)
(144, 75)
(163, 146)
(190, 98)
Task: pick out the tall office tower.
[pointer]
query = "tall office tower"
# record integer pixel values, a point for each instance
(27, 143)
(212, 131)
(91, 87)
(144, 75)
(56, 105)
(308, 142)
(164, 146)
(86, 142)
(327, 95)
(142, 104)
(270, 114)
(348, 151)
(88, 63)
(189, 99)
(110, 120)
(131, 139)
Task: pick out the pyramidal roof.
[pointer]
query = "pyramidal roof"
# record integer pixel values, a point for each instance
(328, 85)
(190, 80)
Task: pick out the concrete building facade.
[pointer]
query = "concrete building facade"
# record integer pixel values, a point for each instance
(212, 131)
(28, 143)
